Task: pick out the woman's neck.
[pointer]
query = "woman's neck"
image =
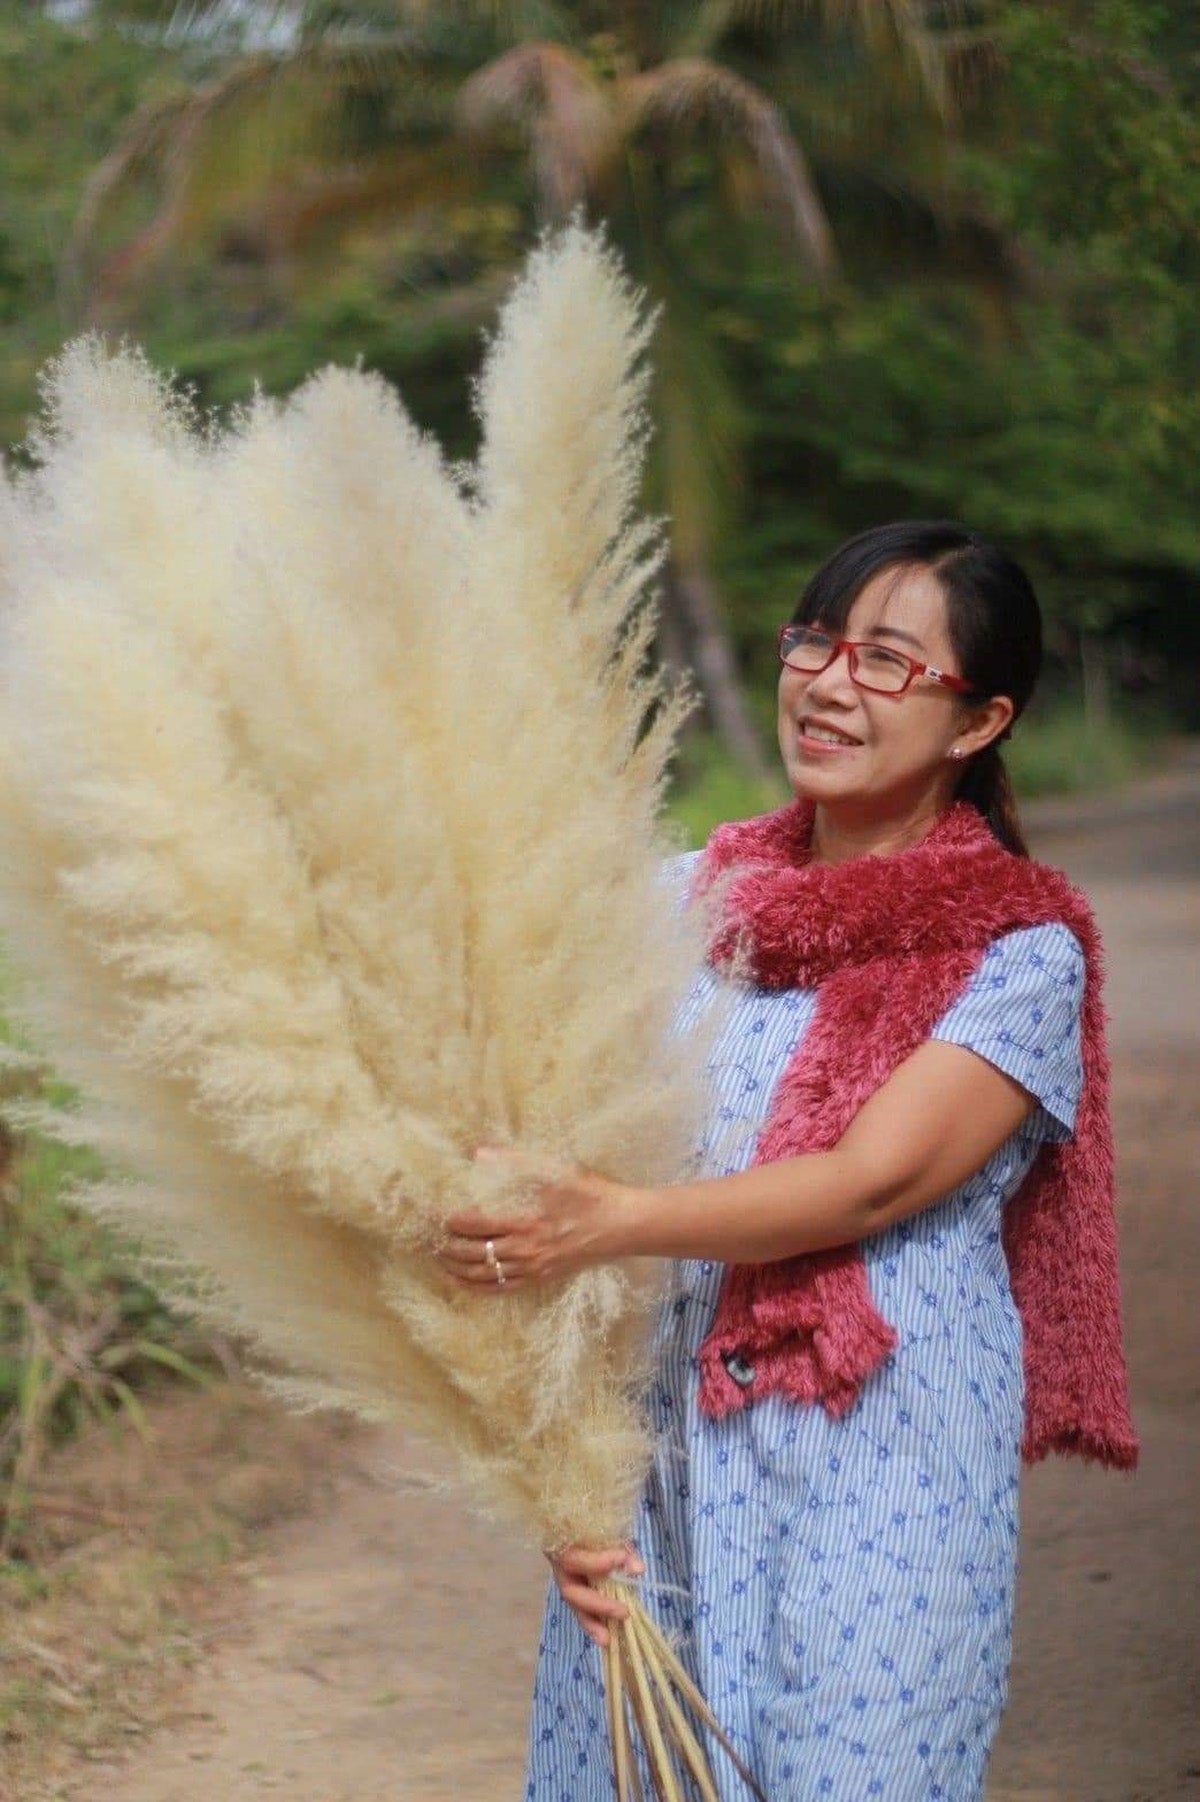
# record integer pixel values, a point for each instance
(839, 835)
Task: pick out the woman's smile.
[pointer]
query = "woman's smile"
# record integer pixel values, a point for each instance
(818, 738)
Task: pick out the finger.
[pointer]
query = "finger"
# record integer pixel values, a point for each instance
(476, 1277)
(460, 1256)
(461, 1252)
(473, 1225)
(489, 1286)
(511, 1261)
(589, 1601)
(585, 1561)
(596, 1631)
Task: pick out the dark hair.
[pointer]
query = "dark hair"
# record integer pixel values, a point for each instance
(994, 621)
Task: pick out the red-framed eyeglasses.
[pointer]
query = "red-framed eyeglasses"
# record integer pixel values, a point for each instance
(877, 667)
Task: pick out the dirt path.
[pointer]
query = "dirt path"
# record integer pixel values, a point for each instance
(384, 1650)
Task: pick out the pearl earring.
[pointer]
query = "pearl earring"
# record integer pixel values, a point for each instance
(957, 751)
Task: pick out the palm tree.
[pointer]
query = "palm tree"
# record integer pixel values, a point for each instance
(624, 111)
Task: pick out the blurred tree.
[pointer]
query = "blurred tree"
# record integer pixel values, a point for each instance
(659, 118)
(48, 72)
(1060, 412)
(1071, 429)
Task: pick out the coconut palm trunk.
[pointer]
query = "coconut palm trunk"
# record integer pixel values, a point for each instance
(695, 638)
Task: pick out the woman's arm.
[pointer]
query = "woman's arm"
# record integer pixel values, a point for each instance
(934, 1123)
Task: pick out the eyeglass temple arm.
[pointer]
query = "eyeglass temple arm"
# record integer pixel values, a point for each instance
(939, 675)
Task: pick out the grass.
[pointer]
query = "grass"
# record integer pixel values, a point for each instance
(138, 1561)
(80, 1335)
(709, 788)
(125, 1494)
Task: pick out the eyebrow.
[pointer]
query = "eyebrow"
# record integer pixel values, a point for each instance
(895, 632)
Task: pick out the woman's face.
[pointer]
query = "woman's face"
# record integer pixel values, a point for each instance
(843, 745)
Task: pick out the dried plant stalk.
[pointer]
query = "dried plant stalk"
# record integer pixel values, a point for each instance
(331, 848)
(642, 1670)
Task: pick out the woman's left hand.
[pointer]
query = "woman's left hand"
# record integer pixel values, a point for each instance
(577, 1218)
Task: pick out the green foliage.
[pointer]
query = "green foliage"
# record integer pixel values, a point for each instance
(1061, 748)
(709, 787)
(80, 1335)
(1053, 442)
(63, 99)
(1011, 339)
(1065, 419)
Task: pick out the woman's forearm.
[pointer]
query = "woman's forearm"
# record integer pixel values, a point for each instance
(778, 1210)
(934, 1123)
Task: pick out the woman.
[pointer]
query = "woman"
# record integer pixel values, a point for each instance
(877, 1298)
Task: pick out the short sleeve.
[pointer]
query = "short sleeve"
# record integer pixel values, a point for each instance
(1021, 1011)
(676, 875)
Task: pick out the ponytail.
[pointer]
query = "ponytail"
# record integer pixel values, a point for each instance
(986, 785)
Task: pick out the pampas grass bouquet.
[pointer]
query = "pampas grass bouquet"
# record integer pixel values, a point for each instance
(330, 849)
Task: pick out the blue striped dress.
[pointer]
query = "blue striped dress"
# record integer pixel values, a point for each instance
(842, 1591)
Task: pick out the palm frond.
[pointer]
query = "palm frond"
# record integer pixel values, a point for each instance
(296, 216)
(694, 93)
(168, 142)
(974, 61)
(205, 151)
(140, 149)
(553, 94)
(892, 32)
(922, 231)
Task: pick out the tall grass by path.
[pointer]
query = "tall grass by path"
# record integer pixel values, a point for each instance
(140, 1563)
(80, 1334)
(114, 1545)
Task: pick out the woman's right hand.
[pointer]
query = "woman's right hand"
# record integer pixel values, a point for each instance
(577, 1567)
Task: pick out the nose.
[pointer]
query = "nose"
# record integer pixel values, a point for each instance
(833, 682)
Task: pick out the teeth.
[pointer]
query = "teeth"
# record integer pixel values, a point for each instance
(827, 736)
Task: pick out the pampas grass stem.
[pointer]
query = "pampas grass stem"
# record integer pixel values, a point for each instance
(644, 1673)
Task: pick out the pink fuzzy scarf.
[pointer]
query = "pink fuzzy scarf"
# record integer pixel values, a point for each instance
(890, 943)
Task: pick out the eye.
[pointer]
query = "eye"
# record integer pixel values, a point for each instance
(807, 647)
(878, 657)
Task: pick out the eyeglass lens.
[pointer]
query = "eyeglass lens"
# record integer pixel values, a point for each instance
(871, 665)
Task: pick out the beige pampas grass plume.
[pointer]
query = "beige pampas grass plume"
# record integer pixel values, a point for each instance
(329, 829)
